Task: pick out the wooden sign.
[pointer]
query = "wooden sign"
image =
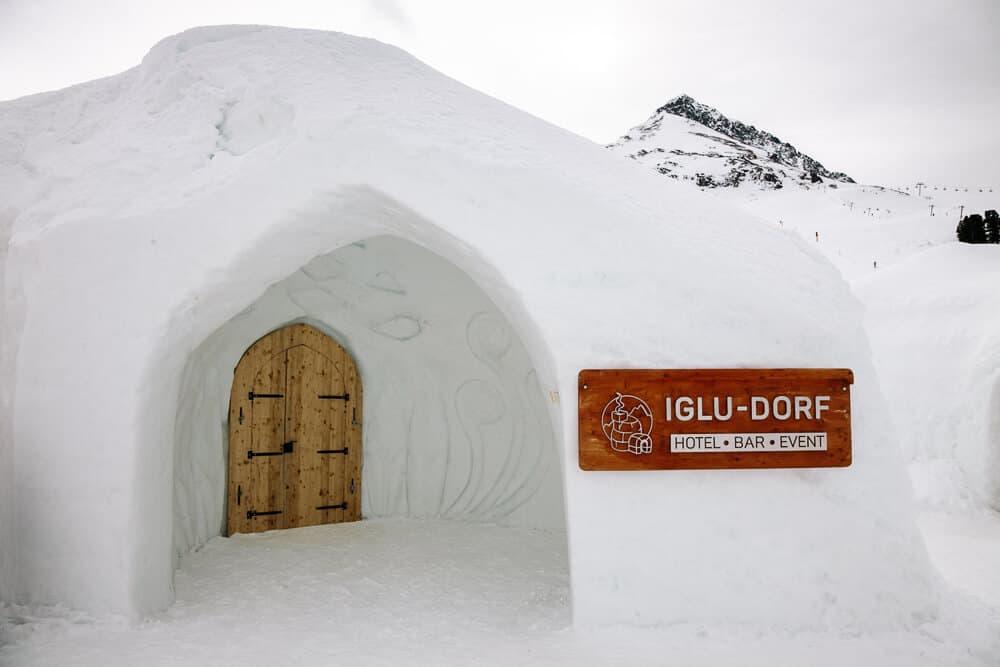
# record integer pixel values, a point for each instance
(698, 419)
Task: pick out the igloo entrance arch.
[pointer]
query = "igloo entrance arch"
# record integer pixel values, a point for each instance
(456, 425)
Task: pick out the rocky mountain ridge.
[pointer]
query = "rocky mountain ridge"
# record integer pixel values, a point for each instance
(688, 140)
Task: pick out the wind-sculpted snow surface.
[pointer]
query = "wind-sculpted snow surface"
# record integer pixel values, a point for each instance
(152, 208)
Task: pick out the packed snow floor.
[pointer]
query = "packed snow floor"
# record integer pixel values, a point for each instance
(966, 550)
(404, 592)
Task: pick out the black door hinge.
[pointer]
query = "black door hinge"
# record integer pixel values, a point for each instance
(252, 453)
(336, 397)
(252, 395)
(341, 506)
(286, 448)
(251, 514)
(332, 451)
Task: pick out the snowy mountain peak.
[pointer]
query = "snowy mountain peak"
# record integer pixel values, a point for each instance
(685, 105)
(675, 142)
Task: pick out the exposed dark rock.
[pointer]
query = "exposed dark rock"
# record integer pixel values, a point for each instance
(742, 154)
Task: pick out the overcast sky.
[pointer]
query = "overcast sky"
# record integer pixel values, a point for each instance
(889, 91)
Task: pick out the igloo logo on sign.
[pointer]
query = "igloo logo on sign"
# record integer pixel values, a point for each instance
(628, 422)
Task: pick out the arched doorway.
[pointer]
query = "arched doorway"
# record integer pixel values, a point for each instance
(456, 423)
(294, 434)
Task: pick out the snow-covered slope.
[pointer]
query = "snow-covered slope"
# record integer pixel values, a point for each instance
(860, 228)
(931, 305)
(687, 140)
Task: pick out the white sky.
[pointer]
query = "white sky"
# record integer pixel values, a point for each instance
(889, 91)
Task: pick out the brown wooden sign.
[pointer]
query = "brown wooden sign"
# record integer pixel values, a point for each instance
(731, 418)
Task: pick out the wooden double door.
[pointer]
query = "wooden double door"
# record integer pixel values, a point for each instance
(294, 434)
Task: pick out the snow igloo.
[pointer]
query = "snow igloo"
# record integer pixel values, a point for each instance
(470, 260)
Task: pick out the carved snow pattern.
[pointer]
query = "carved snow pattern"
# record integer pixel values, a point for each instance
(488, 338)
(386, 282)
(501, 433)
(400, 327)
(479, 405)
(324, 268)
(533, 463)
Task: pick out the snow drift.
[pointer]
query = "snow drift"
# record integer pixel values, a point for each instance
(941, 307)
(150, 209)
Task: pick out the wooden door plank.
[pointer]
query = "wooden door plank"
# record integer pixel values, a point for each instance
(245, 488)
(239, 444)
(310, 376)
(336, 428)
(352, 420)
(293, 391)
(327, 413)
(266, 493)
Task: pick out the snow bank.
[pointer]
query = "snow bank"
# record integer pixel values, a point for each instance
(8, 536)
(931, 317)
(934, 322)
(152, 208)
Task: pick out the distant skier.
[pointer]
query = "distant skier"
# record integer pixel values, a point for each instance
(817, 237)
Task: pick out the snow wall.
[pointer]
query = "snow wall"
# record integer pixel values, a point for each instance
(8, 535)
(152, 208)
(942, 307)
